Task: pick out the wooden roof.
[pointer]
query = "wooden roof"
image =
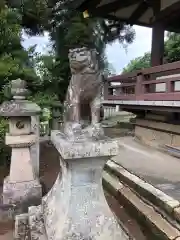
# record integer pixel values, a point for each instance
(139, 12)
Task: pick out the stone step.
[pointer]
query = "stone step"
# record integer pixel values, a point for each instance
(36, 223)
(30, 226)
(21, 229)
(171, 150)
(147, 215)
(165, 203)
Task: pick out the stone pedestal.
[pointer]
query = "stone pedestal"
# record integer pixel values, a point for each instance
(76, 208)
(21, 187)
(34, 150)
(22, 194)
(21, 165)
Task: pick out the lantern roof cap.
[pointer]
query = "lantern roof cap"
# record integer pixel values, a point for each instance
(19, 106)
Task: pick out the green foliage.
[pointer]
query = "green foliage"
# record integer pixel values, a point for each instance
(14, 63)
(14, 59)
(35, 14)
(172, 47)
(51, 74)
(138, 63)
(108, 68)
(68, 29)
(4, 150)
(43, 99)
(171, 54)
(9, 30)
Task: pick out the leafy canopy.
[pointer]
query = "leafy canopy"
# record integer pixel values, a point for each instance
(14, 59)
(171, 54)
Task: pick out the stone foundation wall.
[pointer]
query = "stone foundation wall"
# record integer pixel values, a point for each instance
(157, 133)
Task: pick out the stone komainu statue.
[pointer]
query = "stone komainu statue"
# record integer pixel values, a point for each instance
(84, 91)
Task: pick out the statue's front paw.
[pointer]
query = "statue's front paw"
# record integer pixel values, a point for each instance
(76, 127)
(97, 131)
(72, 128)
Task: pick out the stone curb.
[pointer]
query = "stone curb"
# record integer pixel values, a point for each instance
(170, 205)
(163, 148)
(146, 214)
(170, 150)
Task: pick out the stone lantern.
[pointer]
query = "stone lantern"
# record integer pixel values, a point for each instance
(22, 185)
(56, 115)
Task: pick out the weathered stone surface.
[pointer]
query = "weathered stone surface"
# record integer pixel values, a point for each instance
(15, 108)
(19, 106)
(25, 122)
(36, 223)
(56, 115)
(18, 89)
(76, 208)
(21, 141)
(145, 189)
(82, 149)
(112, 183)
(23, 194)
(145, 212)
(34, 149)
(84, 91)
(21, 227)
(21, 187)
(21, 169)
(176, 213)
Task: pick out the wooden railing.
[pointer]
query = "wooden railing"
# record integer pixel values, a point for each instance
(160, 83)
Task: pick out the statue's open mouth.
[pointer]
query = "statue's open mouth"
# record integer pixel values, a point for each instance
(74, 63)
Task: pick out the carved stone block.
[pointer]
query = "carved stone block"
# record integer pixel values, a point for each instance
(76, 207)
(22, 194)
(21, 227)
(36, 224)
(19, 125)
(21, 166)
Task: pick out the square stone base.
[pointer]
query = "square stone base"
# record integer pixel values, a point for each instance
(22, 194)
(30, 226)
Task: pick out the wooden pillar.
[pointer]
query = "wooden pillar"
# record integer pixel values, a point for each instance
(169, 86)
(139, 89)
(106, 90)
(157, 50)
